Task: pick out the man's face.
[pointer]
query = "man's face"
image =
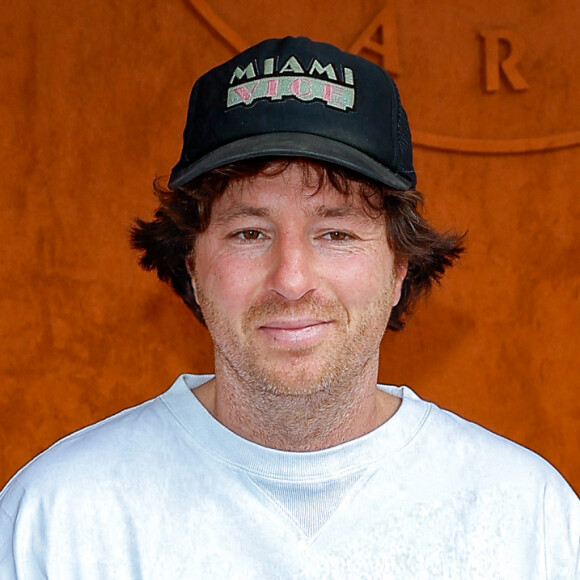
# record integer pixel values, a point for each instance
(295, 284)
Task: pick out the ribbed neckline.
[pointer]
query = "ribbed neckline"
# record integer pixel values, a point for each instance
(342, 459)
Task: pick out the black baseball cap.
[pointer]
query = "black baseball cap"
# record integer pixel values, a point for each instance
(293, 97)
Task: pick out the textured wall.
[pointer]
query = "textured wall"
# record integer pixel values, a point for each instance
(92, 106)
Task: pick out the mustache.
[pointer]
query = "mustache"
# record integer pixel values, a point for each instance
(306, 307)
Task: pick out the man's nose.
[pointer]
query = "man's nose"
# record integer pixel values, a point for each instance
(293, 269)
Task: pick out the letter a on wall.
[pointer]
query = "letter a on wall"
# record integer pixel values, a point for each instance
(380, 39)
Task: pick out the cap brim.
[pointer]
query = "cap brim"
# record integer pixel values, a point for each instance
(292, 145)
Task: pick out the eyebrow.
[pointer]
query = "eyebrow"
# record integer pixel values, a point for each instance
(241, 211)
(345, 210)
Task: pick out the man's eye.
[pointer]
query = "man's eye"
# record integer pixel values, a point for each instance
(337, 236)
(249, 235)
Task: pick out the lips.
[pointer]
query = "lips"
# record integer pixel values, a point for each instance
(293, 324)
(302, 332)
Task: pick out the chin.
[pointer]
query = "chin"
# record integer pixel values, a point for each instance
(297, 382)
(292, 389)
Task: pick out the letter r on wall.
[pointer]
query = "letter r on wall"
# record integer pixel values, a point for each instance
(508, 66)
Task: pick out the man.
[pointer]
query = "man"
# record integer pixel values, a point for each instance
(290, 226)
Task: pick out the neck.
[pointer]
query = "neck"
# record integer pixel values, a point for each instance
(299, 421)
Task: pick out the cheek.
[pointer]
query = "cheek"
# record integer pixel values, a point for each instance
(361, 280)
(228, 282)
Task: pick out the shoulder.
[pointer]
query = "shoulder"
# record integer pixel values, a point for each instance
(120, 448)
(487, 451)
(472, 453)
(95, 453)
(63, 482)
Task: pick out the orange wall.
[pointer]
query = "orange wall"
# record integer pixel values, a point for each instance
(93, 101)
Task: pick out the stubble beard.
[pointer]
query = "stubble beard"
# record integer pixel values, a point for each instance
(335, 364)
(284, 401)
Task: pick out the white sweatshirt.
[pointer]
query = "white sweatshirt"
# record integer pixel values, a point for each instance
(164, 491)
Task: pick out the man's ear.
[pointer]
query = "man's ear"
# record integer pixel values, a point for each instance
(399, 273)
(190, 265)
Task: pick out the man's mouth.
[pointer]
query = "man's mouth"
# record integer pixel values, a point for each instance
(295, 332)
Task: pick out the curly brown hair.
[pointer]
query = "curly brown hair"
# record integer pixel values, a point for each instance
(166, 241)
